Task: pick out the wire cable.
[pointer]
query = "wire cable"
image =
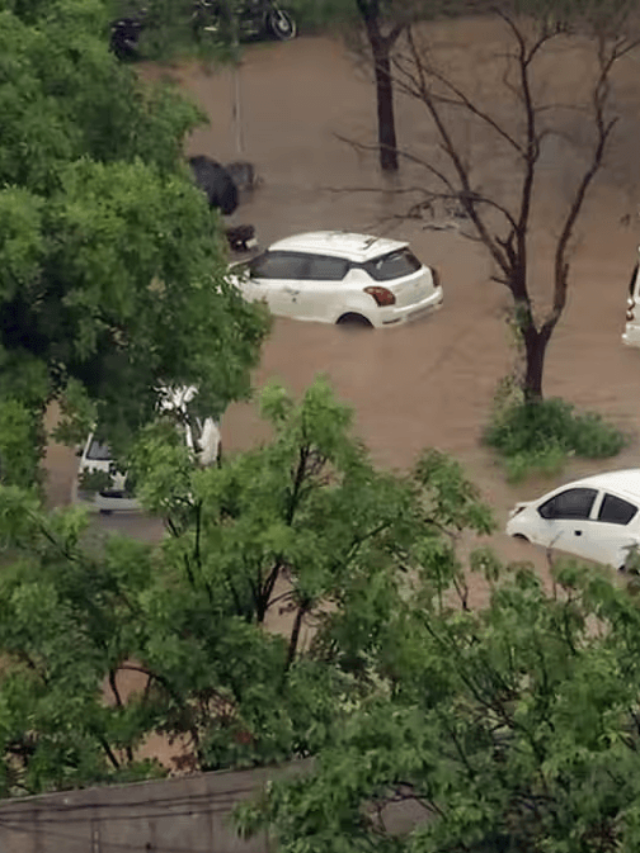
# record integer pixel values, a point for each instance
(104, 844)
(164, 812)
(19, 806)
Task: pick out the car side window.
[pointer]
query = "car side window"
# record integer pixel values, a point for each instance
(323, 268)
(616, 511)
(278, 265)
(99, 452)
(572, 503)
(634, 275)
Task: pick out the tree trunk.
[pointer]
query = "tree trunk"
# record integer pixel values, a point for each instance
(535, 343)
(384, 95)
(295, 636)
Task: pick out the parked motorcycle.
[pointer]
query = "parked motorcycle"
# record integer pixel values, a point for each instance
(125, 34)
(254, 19)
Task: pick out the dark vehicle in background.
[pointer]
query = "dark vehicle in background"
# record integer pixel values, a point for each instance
(125, 34)
(255, 18)
(248, 19)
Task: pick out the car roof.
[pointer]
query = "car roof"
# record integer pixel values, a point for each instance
(625, 482)
(339, 244)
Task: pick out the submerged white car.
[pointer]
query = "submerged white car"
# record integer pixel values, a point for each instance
(202, 437)
(338, 277)
(597, 518)
(631, 335)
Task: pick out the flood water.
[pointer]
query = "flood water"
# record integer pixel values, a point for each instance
(431, 383)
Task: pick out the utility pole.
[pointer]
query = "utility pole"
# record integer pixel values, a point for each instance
(237, 116)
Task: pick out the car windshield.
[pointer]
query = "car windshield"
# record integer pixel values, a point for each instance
(393, 265)
(98, 451)
(241, 268)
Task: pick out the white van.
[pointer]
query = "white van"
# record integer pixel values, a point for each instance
(202, 437)
(631, 335)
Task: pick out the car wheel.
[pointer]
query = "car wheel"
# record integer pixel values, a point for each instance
(520, 536)
(106, 512)
(354, 321)
(281, 25)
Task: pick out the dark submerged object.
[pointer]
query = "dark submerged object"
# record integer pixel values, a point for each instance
(243, 174)
(241, 238)
(214, 180)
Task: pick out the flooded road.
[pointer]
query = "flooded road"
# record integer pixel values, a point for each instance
(429, 384)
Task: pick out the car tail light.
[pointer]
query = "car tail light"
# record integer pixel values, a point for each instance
(381, 295)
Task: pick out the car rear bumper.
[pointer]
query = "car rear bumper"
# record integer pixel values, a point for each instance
(395, 316)
(631, 336)
(95, 502)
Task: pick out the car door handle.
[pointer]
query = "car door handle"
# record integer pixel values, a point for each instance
(578, 532)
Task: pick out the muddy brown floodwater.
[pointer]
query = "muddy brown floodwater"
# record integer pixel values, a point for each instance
(429, 384)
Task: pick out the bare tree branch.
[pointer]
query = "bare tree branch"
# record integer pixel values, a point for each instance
(503, 224)
(454, 156)
(360, 146)
(604, 128)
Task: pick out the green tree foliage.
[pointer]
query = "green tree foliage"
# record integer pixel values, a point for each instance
(304, 523)
(111, 265)
(65, 621)
(511, 729)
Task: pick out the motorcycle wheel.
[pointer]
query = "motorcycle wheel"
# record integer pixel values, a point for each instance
(281, 25)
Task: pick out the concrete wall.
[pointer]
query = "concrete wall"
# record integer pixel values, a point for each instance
(186, 815)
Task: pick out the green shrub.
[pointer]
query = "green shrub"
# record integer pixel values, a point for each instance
(538, 437)
(548, 462)
(594, 438)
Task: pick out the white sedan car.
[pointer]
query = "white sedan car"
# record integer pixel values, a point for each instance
(202, 438)
(337, 277)
(596, 518)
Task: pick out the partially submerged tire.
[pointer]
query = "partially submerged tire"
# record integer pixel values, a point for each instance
(354, 321)
(281, 25)
(520, 536)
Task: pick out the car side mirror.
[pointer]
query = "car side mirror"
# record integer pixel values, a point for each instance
(78, 451)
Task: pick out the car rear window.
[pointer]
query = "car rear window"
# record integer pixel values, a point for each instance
(393, 265)
(616, 511)
(98, 451)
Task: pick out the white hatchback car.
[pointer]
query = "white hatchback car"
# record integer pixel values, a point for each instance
(596, 518)
(631, 335)
(202, 437)
(337, 277)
